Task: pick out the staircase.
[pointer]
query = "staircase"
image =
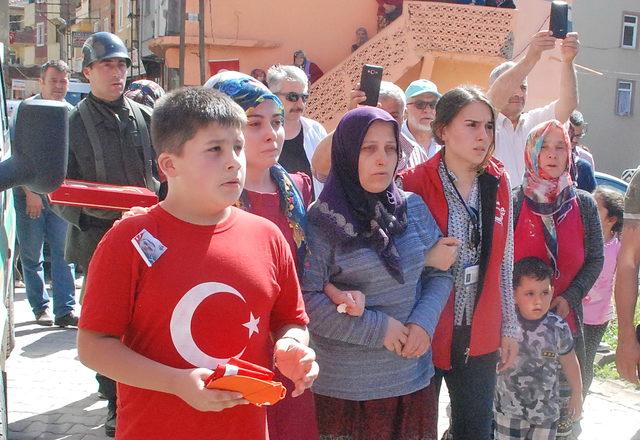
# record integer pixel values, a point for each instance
(432, 29)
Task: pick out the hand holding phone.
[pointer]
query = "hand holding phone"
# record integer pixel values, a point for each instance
(559, 19)
(370, 83)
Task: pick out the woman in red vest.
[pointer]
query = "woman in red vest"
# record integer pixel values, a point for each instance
(559, 224)
(468, 193)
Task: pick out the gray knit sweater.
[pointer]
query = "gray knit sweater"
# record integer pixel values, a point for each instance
(354, 365)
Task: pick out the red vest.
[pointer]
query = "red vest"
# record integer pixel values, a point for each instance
(529, 242)
(486, 323)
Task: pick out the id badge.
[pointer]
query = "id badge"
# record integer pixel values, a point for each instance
(471, 275)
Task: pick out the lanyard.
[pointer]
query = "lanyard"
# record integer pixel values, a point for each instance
(474, 236)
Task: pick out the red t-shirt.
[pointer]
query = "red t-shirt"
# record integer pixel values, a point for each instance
(267, 205)
(216, 292)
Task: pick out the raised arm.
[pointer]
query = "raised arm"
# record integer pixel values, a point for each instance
(503, 87)
(568, 99)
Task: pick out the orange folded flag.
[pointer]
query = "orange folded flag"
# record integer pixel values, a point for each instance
(254, 382)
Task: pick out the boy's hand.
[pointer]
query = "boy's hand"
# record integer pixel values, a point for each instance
(561, 306)
(418, 342)
(396, 336)
(135, 210)
(297, 362)
(443, 254)
(508, 354)
(575, 406)
(189, 386)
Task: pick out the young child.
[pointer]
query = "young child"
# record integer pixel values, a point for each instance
(597, 305)
(527, 402)
(218, 283)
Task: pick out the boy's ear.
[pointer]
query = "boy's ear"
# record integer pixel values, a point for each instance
(166, 163)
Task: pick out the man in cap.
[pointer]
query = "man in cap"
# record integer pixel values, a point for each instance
(422, 96)
(109, 142)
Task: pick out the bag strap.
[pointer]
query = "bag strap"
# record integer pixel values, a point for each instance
(94, 140)
(147, 151)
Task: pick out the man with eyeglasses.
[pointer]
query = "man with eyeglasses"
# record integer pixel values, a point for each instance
(302, 135)
(577, 131)
(422, 96)
(508, 93)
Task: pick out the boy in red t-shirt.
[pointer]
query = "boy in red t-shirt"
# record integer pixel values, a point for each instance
(193, 282)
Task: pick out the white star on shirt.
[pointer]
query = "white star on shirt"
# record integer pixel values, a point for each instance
(252, 325)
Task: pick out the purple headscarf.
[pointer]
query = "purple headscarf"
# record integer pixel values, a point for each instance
(345, 210)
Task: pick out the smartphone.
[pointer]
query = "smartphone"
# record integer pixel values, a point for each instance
(559, 19)
(370, 83)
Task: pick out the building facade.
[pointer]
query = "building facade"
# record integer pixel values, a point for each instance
(609, 99)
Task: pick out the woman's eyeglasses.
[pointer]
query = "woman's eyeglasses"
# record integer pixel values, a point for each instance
(421, 105)
(293, 96)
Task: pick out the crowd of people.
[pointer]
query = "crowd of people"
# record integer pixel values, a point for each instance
(434, 237)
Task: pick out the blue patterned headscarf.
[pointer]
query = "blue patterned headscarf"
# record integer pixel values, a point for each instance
(245, 90)
(249, 93)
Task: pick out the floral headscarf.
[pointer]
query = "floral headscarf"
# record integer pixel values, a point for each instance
(547, 195)
(245, 90)
(550, 198)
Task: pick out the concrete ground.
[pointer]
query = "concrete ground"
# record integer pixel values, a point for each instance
(52, 396)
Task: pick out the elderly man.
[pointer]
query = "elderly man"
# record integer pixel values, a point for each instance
(508, 93)
(37, 223)
(422, 96)
(302, 135)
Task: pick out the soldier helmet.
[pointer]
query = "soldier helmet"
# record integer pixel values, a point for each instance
(102, 45)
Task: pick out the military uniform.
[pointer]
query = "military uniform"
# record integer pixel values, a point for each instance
(124, 162)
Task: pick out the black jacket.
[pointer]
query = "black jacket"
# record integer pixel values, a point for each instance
(124, 165)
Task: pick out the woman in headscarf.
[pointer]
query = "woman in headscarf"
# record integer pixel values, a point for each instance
(309, 67)
(559, 224)
(469, 194)
(362, 36)
(365, 234)
(272, 193)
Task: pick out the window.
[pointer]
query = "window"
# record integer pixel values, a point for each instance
(624, 98)
(629, 31)
(40, 40)
(121, 14)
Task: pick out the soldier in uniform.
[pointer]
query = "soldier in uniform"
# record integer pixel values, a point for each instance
(109, 142)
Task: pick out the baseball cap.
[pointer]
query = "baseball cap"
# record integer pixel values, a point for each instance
(420, 86)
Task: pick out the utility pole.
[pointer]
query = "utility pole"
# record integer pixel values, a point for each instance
(183, 17)
(202, 50)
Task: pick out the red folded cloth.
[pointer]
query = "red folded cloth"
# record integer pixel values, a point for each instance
(101, 195)
(253, 381)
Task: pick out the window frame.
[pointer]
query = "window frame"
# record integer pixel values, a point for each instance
(40, 34)
(631, 90)
(634, 43)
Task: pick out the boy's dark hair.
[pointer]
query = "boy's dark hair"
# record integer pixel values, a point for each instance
(58, 65)
(532, 267)
(178, 115)
(613, 202)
